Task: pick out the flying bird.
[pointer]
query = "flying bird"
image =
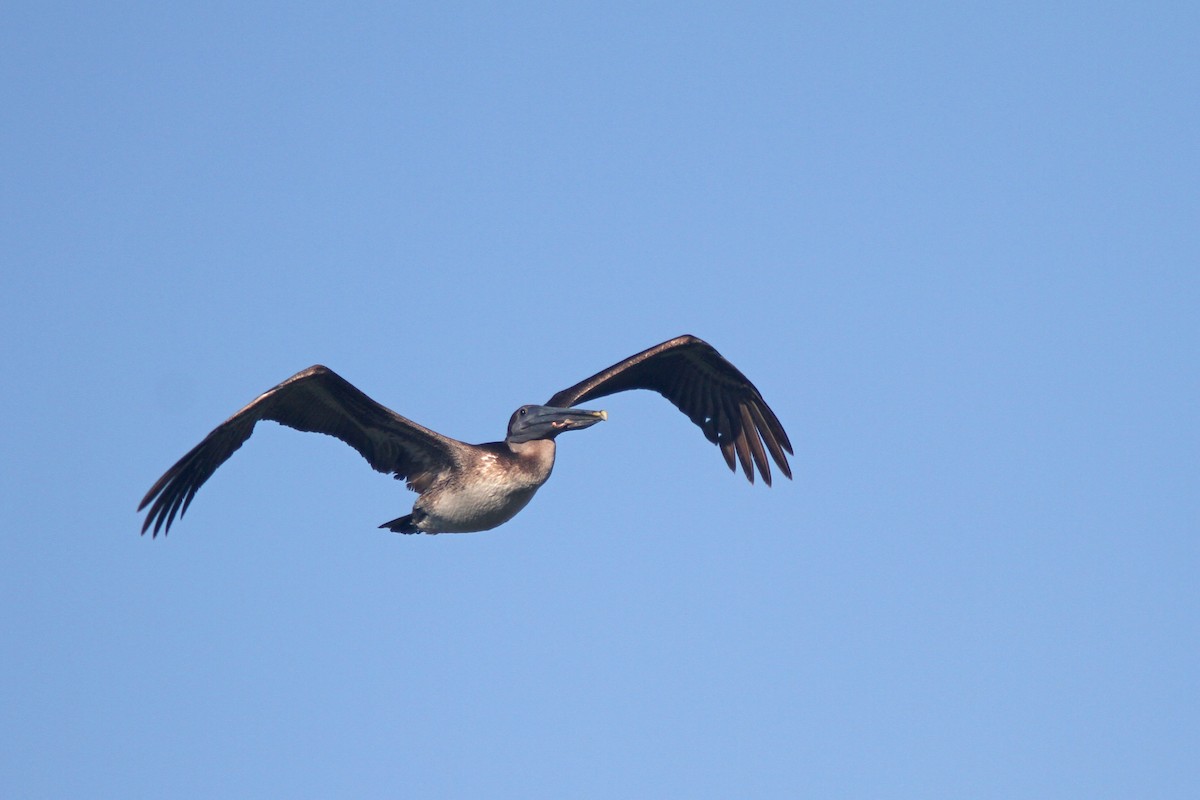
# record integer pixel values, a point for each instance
(475, 487)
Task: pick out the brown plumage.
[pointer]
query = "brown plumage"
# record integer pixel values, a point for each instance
(712, 392)
(465, 487)
(317, 400)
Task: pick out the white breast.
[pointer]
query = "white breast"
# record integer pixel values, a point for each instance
(491, 494)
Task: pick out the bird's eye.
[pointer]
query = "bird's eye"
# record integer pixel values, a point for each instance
(523, 411)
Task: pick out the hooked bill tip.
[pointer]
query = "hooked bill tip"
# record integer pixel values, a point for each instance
(603, 415)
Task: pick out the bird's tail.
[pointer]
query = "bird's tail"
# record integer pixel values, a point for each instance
(401, 525)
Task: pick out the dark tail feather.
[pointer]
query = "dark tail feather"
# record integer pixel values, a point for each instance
(401, 525)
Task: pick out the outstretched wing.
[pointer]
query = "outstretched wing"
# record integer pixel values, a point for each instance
(318, 400)
(712, 392)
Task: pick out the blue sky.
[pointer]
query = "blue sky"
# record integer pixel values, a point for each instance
(955, 247)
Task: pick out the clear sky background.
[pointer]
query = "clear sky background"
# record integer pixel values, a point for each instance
(956, 246)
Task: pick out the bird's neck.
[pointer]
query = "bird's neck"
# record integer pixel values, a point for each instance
(535, 457)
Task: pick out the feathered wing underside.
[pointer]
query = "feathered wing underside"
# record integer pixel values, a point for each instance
(316, 400)
(712, 392)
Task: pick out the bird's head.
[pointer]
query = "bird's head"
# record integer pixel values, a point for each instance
(546, 422)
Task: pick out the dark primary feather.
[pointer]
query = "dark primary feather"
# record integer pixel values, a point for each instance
(317, 400)
(711, 391)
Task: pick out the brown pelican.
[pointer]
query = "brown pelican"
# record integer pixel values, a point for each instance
(474, 487)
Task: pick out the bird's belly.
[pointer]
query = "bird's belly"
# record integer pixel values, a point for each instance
(477, 508)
